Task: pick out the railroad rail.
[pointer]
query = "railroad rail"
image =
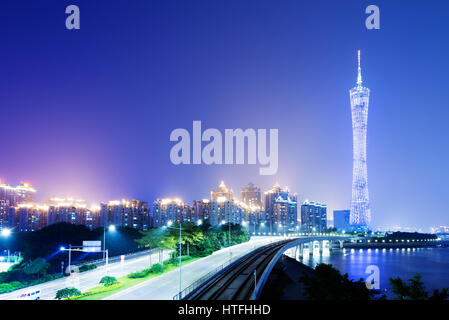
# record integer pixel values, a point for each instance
(237, 281)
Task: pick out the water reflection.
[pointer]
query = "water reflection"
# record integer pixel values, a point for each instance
(431, 263)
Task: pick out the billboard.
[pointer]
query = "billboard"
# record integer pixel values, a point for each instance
(92, 246)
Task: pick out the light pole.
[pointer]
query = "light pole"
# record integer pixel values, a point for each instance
(169, 223)
(229, 238)
(112, 229)
(70, 255)
(6, 233)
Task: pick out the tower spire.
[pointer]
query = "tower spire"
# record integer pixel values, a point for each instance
(359, 75)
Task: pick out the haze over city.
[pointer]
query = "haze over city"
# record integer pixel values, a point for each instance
(90, 113)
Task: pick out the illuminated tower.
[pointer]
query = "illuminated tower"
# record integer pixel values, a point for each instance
(360, 210)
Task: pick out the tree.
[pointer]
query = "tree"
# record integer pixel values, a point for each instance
(38, 267)
(191, 234)
(108, 281)
(153, 238)
(67, 293)
(415, 290)
(327, 283)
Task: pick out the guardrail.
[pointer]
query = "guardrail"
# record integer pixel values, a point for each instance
(113, 259)
(198, 283)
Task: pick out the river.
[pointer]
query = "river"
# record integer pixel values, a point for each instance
(431, 263)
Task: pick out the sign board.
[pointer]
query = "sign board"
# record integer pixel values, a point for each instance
(92, 246)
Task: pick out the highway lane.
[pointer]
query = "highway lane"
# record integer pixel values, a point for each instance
(89, 279)
(165, 286)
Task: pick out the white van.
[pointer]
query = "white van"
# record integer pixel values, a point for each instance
(34, 294)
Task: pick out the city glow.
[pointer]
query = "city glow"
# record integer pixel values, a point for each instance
(6, 232)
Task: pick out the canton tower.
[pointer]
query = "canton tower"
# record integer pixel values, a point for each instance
(360, 215)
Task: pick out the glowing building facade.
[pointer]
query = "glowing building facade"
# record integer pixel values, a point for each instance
(360, 215)
(13, 196)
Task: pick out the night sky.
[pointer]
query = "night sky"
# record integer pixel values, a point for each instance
(88, 113)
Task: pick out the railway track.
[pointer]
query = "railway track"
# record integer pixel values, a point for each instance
(237, 282)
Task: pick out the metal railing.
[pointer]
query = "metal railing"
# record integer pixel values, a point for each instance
(195, 285)
(100, 262)
(198, 283)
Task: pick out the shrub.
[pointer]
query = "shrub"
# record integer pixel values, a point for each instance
(11, 286)
(139, 274)
(108, 281)
(157, 268)
(67, 293)
(87, 267)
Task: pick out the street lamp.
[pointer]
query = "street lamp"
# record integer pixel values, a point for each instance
(111, 228)
(6, 232)
(169, 223)
(229, 238)
(70, 256)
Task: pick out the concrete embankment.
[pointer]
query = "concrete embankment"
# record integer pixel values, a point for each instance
(283, 282)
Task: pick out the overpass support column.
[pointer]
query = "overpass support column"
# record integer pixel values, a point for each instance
(341, 243)
(311, 244)
(321, 244)
(330, 245)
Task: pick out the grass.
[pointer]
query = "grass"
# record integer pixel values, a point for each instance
(125, 282)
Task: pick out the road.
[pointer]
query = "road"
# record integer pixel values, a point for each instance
(89, 279)
(165, 286)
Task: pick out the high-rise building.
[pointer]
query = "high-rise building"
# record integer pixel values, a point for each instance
(281, 210)
(66, 210)
(165, 210)
(201, 210)
(360, 209)
(23, 193)
(313, 217)
(3, 214)
(222, 193)
(251, 196)
(341, 220)
(31, 217)
(125, 213)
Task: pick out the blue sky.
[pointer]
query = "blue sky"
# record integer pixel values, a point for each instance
(89, 112)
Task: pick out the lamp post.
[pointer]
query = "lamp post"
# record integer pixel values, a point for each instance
(111, 228)
(6, 233)
(169, 223)
(70, 256)
(229, 238)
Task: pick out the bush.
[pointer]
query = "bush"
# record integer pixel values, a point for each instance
(157, 268)
(11, 286)
(108, 281)
(139, 274)
(5, 287)
(67, 293)
(167, 262)
(87, 267)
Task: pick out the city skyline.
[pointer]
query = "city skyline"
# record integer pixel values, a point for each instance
(93, 122)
